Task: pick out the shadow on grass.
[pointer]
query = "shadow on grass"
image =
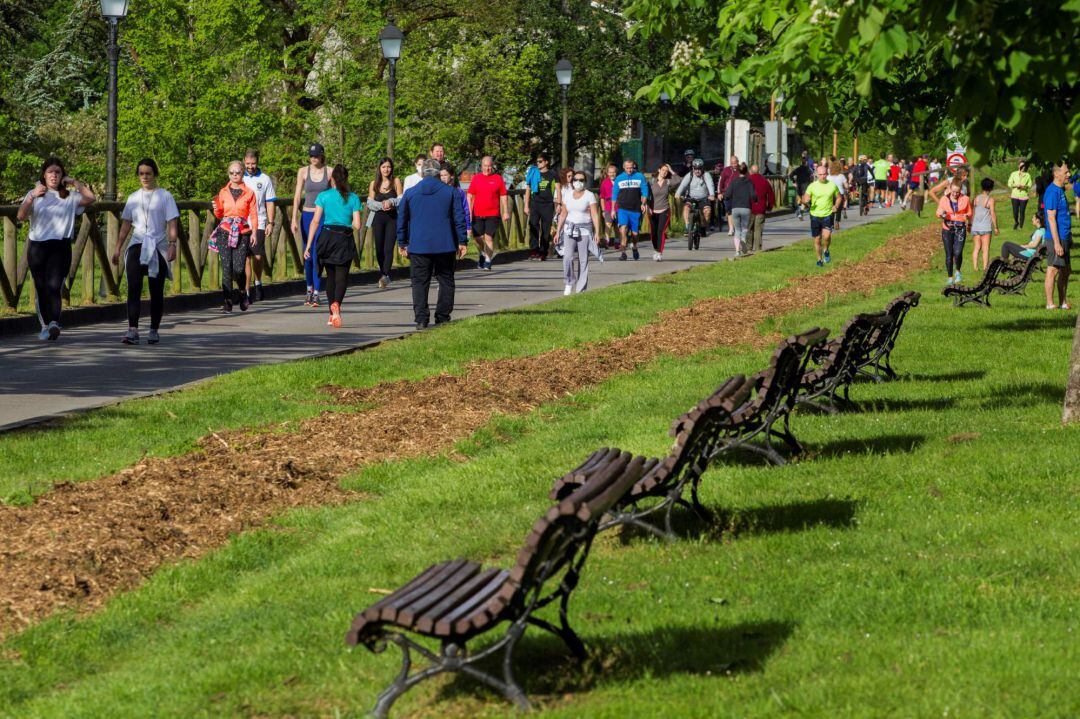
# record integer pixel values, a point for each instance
(902, 405)
(885, 444)
(961, 376)
(1057, 321)
(546, 669)
(1024, 393)
(552, 311)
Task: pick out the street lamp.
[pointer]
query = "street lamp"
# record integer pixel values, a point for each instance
(113, 11)
(779, 133)
(733, 102)
(564, 72)
(390, 39)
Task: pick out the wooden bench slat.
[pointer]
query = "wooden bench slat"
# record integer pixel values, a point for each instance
(409, 613)
(390, 609)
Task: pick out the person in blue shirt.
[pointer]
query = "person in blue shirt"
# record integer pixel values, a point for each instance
(1058, 238)
(338, 210)
(542, 195)
(431, 233)
(630, 194)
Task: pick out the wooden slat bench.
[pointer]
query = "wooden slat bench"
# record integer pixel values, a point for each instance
(980, 293)
(874, 356)
(664, 481)
(838, 362)
(1016, 275)
(455, 601)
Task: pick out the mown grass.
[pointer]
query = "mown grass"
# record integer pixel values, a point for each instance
(921, 561)
(90, 445)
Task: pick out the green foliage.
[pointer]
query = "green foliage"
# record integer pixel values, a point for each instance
(998, 71)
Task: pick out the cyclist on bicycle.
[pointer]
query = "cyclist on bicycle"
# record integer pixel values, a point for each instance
(697, 188)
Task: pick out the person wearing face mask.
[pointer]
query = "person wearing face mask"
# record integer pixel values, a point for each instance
(151, 219)
(579, 223)
(51, 209)
(236, 207)
(412, 180)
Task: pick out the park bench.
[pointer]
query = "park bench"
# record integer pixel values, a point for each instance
(456, 601)
(664, 481)
(1019, 273)
(874, 356)
(980, 293)
(837, 364)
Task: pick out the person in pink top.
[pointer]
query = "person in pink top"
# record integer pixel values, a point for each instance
(954, 209)
(607, 205)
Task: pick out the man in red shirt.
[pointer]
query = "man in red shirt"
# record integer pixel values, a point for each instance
(766, 200)
(728, 174)
(489, 207)
(893, 182)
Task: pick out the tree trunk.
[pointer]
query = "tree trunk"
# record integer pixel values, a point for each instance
(1072, 389)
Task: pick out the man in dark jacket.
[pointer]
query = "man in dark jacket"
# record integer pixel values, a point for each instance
(431, 233)
(766, 200)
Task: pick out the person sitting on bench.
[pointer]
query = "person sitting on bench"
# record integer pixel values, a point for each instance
(1025, 252)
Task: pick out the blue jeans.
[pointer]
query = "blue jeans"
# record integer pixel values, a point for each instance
(311, 267)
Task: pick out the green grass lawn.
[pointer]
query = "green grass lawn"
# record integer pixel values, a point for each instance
(922, 561)
(90, 445)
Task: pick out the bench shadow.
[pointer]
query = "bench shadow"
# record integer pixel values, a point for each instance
(1029, 324)
(1040, 392)
(885, 444)
(960, 376)
(902, 405)
(548, 671)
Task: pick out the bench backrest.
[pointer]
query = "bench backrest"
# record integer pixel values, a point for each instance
(896, 311)
(842, 360)
(1026, 271)
(778, 384)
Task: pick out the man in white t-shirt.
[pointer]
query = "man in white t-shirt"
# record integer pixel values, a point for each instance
(416, 177)
(263, 187)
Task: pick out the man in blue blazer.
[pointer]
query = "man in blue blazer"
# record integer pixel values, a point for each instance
(431, 233)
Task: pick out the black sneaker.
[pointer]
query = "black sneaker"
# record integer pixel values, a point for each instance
(250, 295)
(244, 303)
(420, 326)
(227, 307)
(622, 256)
(637, 255)
(258, 293)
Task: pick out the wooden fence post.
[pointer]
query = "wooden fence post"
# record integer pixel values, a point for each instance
(11, 260)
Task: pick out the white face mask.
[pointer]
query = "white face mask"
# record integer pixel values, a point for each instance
(578, 185)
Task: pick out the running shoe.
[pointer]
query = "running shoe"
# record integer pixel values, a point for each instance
(335, 314)
(307, 300)
(568, 289)
(314, 299)
(480, 262)
(153, 338)
(826, 257)
(489, 262)
(637, 255)
(659, 256)
(259, 292)
(948, 281)
(226, 308)
(244, 303)
(54, 330)
(44, 334)
(383, 283)
(1066, 306)
(622, 256)
(250, 294)
(956, 278)
(1051, 307)
(820, 263)
(131, 337)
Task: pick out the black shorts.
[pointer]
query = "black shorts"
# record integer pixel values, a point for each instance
(880, 184)
(486, 226)
(1062, 262)
(259, 248)
(818, 224)
(893, 185)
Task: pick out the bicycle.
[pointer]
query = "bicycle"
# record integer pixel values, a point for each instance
(695, 229)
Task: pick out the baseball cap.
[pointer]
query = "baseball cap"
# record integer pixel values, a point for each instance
(316, 150)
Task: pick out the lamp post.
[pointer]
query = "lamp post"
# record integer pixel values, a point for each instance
(563, 74)
(665, 102)
(113, 11)
(733, 102)
(390, 39)
(779, 133)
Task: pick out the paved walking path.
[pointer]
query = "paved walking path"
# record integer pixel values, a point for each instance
(89, 367)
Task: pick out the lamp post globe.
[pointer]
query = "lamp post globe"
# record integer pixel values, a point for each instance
(564, 74)
(390, 41)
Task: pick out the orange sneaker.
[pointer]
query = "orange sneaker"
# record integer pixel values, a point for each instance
(335, 314)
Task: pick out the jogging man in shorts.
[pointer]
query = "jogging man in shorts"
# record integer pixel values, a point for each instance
(631, 194)
(824, 199)
(489, 207)
(263, 187)
(881, 179)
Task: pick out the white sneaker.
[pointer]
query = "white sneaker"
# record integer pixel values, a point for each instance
(659, 256)
(44, 334)
(568, 290)
(1049, 307)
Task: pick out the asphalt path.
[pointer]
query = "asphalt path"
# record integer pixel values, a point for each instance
(88, 366)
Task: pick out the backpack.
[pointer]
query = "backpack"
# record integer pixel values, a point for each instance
(859, 173)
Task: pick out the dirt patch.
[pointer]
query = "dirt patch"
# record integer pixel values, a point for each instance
(81, 543)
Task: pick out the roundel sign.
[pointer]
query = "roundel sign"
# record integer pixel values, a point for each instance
(955, 159)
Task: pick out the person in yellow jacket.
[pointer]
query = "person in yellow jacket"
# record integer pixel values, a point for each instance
(1020, 184)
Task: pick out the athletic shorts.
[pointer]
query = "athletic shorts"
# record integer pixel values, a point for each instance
(259, 248)
(1055, 260)
(913, 185)
(486, 226)
(880, 184)
(608, 217)
(627, 218)
(893, 185)
(817, 224)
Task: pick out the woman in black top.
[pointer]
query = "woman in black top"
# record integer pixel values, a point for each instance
(384, 194)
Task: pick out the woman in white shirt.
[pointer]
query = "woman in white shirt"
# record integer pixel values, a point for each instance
(151, 219)
(579, 222)
(52, 209)
(838, 178)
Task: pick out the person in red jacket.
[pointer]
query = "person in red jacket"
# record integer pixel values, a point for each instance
(238, 209)
(766, 201)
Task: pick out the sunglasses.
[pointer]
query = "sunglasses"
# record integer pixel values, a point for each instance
(236, 172)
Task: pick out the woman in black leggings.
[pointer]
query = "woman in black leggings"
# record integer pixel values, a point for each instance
(51, 208)
(151, 219)
(384, 193)
(339, 212)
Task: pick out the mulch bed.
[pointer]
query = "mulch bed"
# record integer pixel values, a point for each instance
(81, 543)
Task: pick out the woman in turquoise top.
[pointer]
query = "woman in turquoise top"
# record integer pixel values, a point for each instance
(338, 210)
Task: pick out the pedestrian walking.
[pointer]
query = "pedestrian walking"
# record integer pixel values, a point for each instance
(660, 209)
(414, 179)
(881, 179)
(337, 210)
(311, 180)
(52, 208)
(837, 177)
(384, 194)
(954, 209)
(983, 223)
(631, 195)
(151, 220)
(764, 204)
(1020, 184)
(578, 224)
(727, 176)
(431, 233)
(607, 206)
(265, 197)
(802, 176)
(449, 177)
(542, 196)
(238, 211)
(1058, 239)
(823, 198)
(489, 205)
(862, 175)
(738, 199)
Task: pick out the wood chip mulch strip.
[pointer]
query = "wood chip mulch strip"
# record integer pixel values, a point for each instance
(81, 543)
